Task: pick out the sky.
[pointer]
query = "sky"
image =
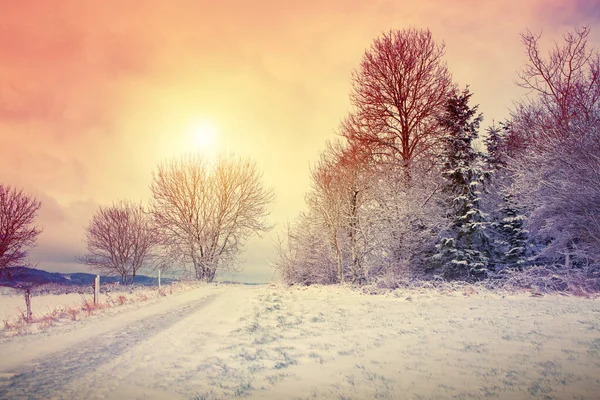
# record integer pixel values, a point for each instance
(95, 94)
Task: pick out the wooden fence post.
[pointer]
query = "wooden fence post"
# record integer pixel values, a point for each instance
(28, 303)
(96, 289)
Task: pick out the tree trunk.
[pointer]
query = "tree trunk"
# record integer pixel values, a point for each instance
(357, 273)
(338, 258)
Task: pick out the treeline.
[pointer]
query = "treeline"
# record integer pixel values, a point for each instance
(198, 219)
(405, 193)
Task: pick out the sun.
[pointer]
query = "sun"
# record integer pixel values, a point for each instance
(204, 134)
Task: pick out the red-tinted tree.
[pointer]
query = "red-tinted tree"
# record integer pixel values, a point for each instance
(401, 86)
(18, 231)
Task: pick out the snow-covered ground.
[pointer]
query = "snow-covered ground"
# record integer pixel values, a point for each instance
(269, 342)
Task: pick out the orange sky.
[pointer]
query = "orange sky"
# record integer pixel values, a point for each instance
(93, 97)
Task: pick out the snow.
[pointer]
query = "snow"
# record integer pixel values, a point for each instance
(271, 342)
(13, 304)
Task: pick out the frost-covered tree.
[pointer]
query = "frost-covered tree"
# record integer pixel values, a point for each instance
(304, 255)
(408, 220)
(557, 171)
(204, 212)
(340, 189)
(463, 249)
(401, 86)
(495, 144)
(328, 200)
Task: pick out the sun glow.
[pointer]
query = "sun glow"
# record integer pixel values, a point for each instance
(204, 134)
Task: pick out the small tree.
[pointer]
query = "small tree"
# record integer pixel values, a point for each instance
(304, 255)
(204, 213)
(120, 240)
(463, 250)
(17, 228)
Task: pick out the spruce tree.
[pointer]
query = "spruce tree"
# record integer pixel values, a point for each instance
(511, 239)
(463, 249)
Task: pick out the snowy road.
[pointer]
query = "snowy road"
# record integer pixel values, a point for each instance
(47, 376)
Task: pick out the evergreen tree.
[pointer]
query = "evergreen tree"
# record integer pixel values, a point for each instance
(511, 240)
(495, 144)
(463, 249)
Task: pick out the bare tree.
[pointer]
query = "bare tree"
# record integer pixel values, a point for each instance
(339, 190)
(17, 228)
(204, 212)
(120, 240)
(557, 170)
(566, 84)
(400, 88)
(304, 255)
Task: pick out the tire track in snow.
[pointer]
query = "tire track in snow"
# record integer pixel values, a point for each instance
(44, 377)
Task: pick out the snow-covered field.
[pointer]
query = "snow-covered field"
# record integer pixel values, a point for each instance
(270, 342)
(56, 308)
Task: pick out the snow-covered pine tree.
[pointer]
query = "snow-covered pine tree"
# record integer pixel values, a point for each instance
(513, 236)
(510, 237)
(463, 249)
(495, 144)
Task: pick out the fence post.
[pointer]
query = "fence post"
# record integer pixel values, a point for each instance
(28, 303)
(96, 289)
(159, 279)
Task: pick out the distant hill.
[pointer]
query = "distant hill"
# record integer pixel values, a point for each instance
(20, 276)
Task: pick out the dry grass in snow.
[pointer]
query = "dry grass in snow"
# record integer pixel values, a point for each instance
(269, 342)
(51, 306)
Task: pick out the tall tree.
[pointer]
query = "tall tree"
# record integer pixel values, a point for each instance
(120, 240)
(204, 212)
(463, 249)
(400, 87)
(17, 227)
